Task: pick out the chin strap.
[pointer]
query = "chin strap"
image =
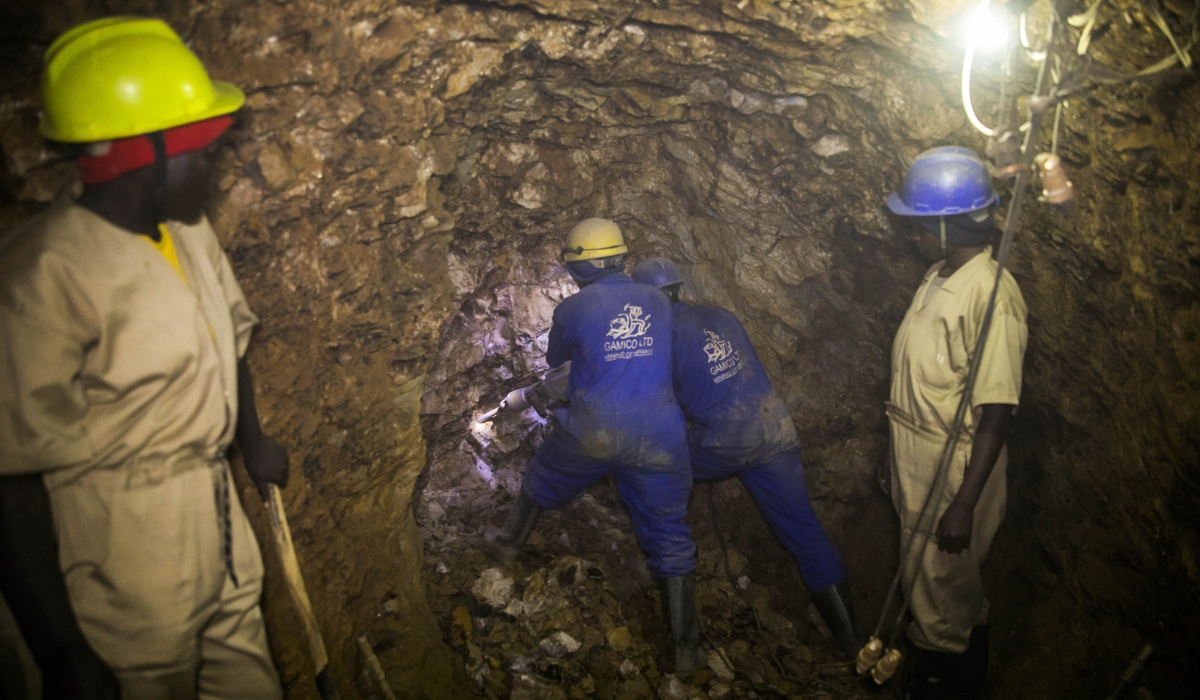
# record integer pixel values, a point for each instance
(942, 227)
(159, 142)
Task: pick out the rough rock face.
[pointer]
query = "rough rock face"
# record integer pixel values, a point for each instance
(394, 200)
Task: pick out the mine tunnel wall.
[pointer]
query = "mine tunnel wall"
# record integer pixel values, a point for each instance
(393, 201)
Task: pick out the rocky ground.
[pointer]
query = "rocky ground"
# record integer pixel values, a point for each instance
(577, 615)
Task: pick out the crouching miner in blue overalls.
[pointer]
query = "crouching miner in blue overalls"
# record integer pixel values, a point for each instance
(740, 426)
(622, 420)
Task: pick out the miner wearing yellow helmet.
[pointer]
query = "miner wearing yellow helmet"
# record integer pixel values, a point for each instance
(124, 552)
(622, 420)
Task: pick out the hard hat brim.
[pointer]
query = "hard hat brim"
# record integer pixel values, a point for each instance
(897, 206)
(228, 99)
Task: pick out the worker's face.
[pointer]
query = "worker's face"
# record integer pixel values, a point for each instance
(188, 185)
(929, 245)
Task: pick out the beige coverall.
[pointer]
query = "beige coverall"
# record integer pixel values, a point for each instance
(930, 360)
(118, 382)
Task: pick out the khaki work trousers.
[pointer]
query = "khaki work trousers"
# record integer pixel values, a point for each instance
(143, 554)
(946, 590)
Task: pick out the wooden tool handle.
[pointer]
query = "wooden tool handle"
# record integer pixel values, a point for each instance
(295, 586)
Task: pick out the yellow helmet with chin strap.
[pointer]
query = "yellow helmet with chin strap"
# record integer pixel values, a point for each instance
(594, 238)
(124, 76)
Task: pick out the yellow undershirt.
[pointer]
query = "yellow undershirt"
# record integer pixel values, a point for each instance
(166, 247)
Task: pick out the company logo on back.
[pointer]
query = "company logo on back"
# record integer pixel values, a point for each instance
(628, 332)
(724, 361)
(716, 348)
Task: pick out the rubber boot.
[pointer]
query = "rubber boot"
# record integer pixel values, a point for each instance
(927, 676)
(969, 675)
(680, 604)
(833, 603)
(517, 526)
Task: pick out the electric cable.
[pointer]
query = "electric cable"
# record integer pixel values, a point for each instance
(968, 61)
(1058, 110)
(1041, 75)
(1035, 56)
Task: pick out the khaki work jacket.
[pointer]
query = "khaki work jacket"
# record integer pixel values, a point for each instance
(109, 358)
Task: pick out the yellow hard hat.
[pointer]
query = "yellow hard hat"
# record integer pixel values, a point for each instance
(123, 76)
(594, 238)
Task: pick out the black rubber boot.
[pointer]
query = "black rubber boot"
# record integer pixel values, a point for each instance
(833, 603)
(680, 604)
(517, 526)
(928, 674)
(940, 675)
(969, 675)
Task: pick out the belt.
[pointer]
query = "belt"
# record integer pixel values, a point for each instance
(152, 470)
(904, 420)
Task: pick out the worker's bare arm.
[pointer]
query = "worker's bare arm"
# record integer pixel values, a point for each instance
(954, 529)
(265, 459)
(33, 585)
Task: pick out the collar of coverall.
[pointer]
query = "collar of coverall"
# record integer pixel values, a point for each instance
(105, 161)
(958, 279)
(600, 274)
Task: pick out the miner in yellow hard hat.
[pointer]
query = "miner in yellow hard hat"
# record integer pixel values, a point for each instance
(124, 552)
(622, 420)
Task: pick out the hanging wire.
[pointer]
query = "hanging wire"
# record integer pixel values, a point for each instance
(968, 62)
(1056, 76)
(1058, 110)
(1087, 20)
(1161, 23)
(1041, 75)
(1036, 56)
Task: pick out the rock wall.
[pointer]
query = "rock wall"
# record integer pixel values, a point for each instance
(394, 197)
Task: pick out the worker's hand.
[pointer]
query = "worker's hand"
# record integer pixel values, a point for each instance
(266, 462)
(538, 399)
(883, 476)
(80, 676)
(954, 529)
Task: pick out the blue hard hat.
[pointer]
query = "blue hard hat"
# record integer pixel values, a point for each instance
(656, 272)
(944, 181)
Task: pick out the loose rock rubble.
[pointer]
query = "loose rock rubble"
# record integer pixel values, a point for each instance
(577, 615)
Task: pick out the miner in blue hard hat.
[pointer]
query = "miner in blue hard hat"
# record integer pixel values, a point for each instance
(739, 426)
(947, 195)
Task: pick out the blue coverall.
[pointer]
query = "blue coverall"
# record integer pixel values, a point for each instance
(622, 418)
(739, 426)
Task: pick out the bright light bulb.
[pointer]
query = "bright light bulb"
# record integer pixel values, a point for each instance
(986, 29)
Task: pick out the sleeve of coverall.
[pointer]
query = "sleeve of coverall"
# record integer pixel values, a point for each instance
(999, 379)
(42, 403)
(244, 319)
(558, 349)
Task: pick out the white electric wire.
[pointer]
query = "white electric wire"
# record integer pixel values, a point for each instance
(1035, 56)
(968, 60)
